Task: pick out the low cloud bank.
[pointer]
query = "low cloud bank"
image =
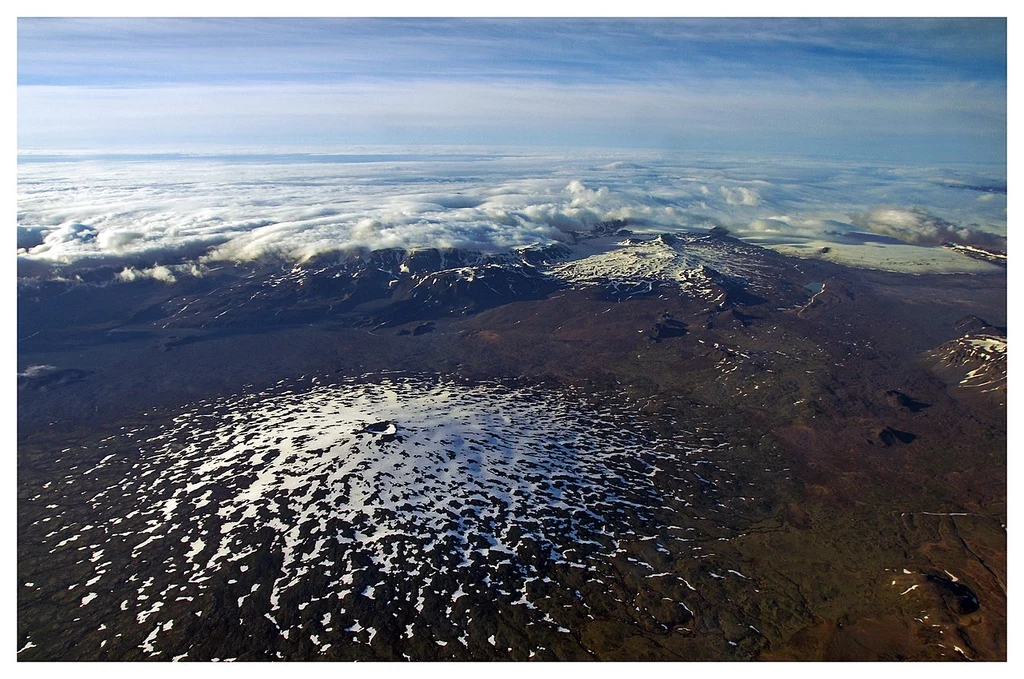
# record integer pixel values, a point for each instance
(37, 370)
(163, 219)
(917, 226)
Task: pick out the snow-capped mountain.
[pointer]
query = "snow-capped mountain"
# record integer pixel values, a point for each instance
(394, 286)
(976, 361)
(711, 267)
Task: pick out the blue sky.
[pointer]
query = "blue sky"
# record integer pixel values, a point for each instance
(929, 90)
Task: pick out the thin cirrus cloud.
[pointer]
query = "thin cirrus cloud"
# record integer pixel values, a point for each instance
(928, 89)
(122, 52)
(763, 117)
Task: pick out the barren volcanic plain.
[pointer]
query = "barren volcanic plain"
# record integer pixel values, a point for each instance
(627, 446)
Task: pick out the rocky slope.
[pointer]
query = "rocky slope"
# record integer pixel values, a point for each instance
(976, 361)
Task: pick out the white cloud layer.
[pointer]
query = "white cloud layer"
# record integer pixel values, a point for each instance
(164, 216)
(916, 225)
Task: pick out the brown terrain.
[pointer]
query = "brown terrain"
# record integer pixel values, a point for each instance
(878, 525)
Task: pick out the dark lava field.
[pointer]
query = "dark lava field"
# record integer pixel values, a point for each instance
(431, 456)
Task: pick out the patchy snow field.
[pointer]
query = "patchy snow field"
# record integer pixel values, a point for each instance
(323, 508)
